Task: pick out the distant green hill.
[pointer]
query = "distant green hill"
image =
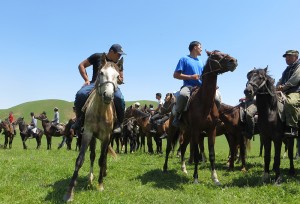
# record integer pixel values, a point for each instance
(65, 109)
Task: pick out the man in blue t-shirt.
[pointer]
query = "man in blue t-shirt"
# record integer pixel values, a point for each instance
(189, 69)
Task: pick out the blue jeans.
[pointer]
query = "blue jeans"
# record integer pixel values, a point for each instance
(83, 94)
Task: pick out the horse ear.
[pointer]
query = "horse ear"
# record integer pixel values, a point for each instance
(266, 69)
(120, 63)
(208, 52)
(103, 59)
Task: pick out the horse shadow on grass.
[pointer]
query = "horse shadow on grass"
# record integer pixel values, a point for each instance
(59, 189)
(170, 180)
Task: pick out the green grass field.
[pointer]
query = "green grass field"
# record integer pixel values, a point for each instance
(42, 176)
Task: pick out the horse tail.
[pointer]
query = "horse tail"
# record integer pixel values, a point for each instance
(112, 152)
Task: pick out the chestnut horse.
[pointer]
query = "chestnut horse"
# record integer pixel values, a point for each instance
(202, 114)
(98, 123)
(23, 127)
(270, 125)
(8, 131)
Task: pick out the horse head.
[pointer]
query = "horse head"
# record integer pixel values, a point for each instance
(19, 120)
(219, 62)
(259, 82)
(107, 79)
(42, 117)
(170, 100)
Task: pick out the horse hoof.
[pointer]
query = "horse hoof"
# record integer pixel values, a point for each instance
(244, 170)
(217, 182)
(100, 187)
(68, 197)
(292, 172)
(196, 181)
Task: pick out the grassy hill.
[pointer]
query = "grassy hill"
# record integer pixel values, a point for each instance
(65, 108)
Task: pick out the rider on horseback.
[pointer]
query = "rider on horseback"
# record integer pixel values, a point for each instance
(114, 54)
(32, 127)
(55, 121)
(189, 69)
(289, 84)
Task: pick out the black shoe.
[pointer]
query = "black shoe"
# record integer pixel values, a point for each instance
(291, 132)
(117, 128)
(165, 135)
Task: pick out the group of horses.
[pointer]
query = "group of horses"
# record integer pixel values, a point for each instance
(202, 119)
(9, 131)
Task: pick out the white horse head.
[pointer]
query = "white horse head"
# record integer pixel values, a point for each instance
(107, 79)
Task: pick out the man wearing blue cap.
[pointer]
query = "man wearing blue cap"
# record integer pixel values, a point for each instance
(289, 84)
(114, 54)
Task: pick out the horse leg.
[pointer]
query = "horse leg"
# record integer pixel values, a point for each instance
(243, 152)
(211, 149)
(24, 138)
(168, 149)
(92, 160)
(291, 156)
(69, 195)
(261, 146)
(149, 143)
(196, 160)
(10, 141)
(267, 158)
(5, 141)
(182, 150)
(276, 165)
(48, 142)
(102, 164)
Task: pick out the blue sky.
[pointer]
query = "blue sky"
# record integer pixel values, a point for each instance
(42, 43)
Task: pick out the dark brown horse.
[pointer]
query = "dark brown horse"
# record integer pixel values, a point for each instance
(234, 127)
(270, 125)
(8, 131)
(202, 114)
(69, 135)
(23, 127)
(49, 131)
(98, 123)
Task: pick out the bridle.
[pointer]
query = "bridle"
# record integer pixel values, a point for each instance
(210, 60)
(100, 85)
(258, 87)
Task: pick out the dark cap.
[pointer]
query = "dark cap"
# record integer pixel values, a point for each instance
(291, 52)
(117, 48)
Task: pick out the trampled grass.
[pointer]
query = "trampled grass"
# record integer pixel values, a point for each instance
(42, 176)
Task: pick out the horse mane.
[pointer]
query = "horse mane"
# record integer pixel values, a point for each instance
(270, 86)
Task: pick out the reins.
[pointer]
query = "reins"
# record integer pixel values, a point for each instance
(210, 66)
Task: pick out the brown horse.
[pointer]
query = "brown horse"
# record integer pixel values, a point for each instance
(48, 130)
(23, 127)
(234, 127)
(202, 114)
(8, 131)
(98, 123)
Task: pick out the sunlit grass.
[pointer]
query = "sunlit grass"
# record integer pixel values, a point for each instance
(42, 176)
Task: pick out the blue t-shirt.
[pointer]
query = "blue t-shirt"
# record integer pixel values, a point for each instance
(190, 66)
